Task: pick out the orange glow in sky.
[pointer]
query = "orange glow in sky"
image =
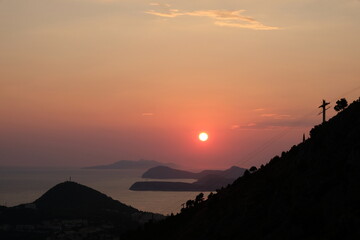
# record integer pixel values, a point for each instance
(96, 81)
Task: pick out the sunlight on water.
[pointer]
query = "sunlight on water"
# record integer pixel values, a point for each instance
(23, 185)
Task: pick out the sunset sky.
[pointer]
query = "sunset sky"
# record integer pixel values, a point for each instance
(86, 82)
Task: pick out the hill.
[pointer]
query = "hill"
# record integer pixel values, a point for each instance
(126, 164)
(233, 173)
(309, 192)
(207, 183)
(70, 199)
(208, 180)
(163, 172)
(72, 207)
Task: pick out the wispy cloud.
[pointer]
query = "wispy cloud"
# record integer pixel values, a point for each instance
(160, 4)
(276, 116)
(273, 120)
(235, 126)
(273, 124)
(223, 18)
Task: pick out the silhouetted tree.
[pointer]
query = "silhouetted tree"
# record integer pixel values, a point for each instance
(253, 169)
(182, 206)
(219, 190)
(189, 203)
(210, 195)
(199, 198)
(341, 105)
(246, 173)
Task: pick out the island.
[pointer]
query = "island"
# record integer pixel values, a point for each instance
(207, 180)
(164, 172)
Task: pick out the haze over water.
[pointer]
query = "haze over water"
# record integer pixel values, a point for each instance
(25, 185)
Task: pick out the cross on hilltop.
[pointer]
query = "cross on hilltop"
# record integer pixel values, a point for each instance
(323, 106)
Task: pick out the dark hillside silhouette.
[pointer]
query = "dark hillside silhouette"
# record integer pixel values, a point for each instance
(70, 199)
(71, 211)
(310, 192)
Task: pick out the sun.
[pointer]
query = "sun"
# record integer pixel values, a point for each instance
(203, 136)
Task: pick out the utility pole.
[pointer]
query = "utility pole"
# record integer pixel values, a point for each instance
(323, 106)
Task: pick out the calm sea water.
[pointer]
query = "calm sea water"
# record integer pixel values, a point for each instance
(24, 185)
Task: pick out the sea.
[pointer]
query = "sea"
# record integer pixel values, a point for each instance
(25, 185)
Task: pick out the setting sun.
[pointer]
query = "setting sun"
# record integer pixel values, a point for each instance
(203, 136)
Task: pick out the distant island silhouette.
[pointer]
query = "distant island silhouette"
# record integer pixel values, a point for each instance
(127, 164)
(163, 172)
(208, 180)
(309, 192)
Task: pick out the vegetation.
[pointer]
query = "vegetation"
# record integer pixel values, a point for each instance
(341, 105)
(253, 169)
(310, 192)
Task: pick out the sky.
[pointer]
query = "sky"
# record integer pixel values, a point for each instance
(87, 82)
